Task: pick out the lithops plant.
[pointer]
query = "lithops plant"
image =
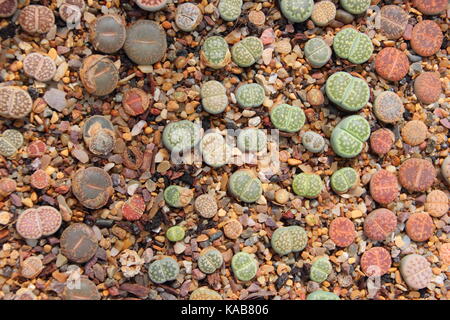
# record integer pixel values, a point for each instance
(135, 101)
(230, 10)
(215, 52)
(232, 229)
(388, 107)
(393, 21)
(322, 295)
(347, 92)
(352, 45)
(320, 270)
(151, 5)
(416, 271)
(36, 19)
(245, 186)
(251, 140)
(420, 226)
(287, 118)
(426, 38)
(416, 175)
(166, 269)
(78, 243)
(40, 67)
(108, 33)
(10, 142)
(99, 135)
(342, 231)
(317, 52)
(391, 64)
(436, 203)
(344, 180)
(82, 289)
(297, 10)
(210, 260)
(214, 97)
(38, 222)
(323, 13)
(175, 233)
(355, 6)
(379, 224)
(244, 266)
(181, 135)
(349, 136)
(431, 7)
(313, 142)
(247, 51)
(177, 196)
(133, 208)
(427, 87)
(99, 75)
(188, 16)
(384, 187)
(216, 152)
(376, 262)
(15, 102)
(307, 185)
(31, 267)
(92, 187)
(206, 206)
(70, 11)
(204, 293)
(8, 8)
(250, 95)
(289, 239)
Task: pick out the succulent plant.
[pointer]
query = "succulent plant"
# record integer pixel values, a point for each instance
(83, 289)
(210, 260)
(352, 45)
(188, 16)
(287, 118)
(416, 271)
(232, 229)
(297, 10)
(322, 295)
(214, 97)
(323, 13)
(244, 266)
(215, 151)
(344, 179)
(346, 91)
(251, 140)
(166, 269)
(78, 242)
(92, 187)
(308, 185)
(245, 186)
(133, 208)
(151, 5)
(204, 293)
(355, 6)
(37, 222)
(99, 135)
(320, 269)
(215, 52)
(317, 52)
(99, 75)
(135, 101)
(36, 19)
(289, 239)
(388, 107)
(15, 102)
(250, 95)
(177, 196)
(313, 142)
(39, 66)
(181, 135)
(175, 233)
(10, 142)
(108, 33)
(247, 51)
(8, 8)
(230, 10)
(206, 205)
(348, 137)
(31, 267)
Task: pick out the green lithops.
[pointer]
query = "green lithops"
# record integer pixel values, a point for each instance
(317, 52)
(181, 135)
(210, 260)
(320, 269)
(355, 6)
(214, 97)
(322, 295)
(251, 140)
(204, 293)
(166, 269)
(289, 239)
(250, 95)
(245, 186)
(313, 142)
(347, 92)
(297, 10)
(348, 137)
(10, 142)
(352, 45)
(244, 266)
(175, 233)
(287, 118)
(215, 52)
(230, 10)
(177, 196)
(247, 51)
(344, 179)
(215, 151)
(307, 185)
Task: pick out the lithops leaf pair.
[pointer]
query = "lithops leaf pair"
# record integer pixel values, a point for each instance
(313, 142)
(92, 187)
(99, 75)
(244, 266)
(214, 97)
(344, 179)
(355, 6)
(230, 10)
(181, 135)
(347, 92)
(245, 186)
(352, 45)
(287, 118)
(320, 269)
(188, 16)
(251, 140)
(175, 233)
(297, 10)
(323, 13)
(39, 66)
(166, 269)
(210, 260)
(216, 152)
(348, 137)
(322, 295)
(250, 95)
(416, 271)
(317, 52)
(308, 185)
(151, 5)
(38, 222)
(215, 52)
(108, 33)
(289, 239)
(204, 293)
(15, 102)
(99, 135)
(10, 142)
(247, 51)
(177, 196)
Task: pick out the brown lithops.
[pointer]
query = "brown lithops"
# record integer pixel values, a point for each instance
(420, 226)
(99, 135)
(436, 203)
(323, 13)
(36, 19)
(376, 262)
(36, 149)
(7, 8)
(342, 231)
(393, 21)
(188, 16)
(206, 206)
(35, 223)
(391, 64)
(70, 11)
(7, 186)
(40, 179)
(135, 101)
(430, 7)
(78, 243)
(108, 33)
(15, 102)
(427, 87)
(426, 38)
(92, 187)
(381, 141)
(99, 75)
(416, 175)
(232, 229)
(39, 66)
(384, 187)
(82, 289)
(31, 267)
(388, 107)
(379, 224)
(414, 132)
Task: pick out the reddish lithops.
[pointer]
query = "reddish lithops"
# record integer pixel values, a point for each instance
(342, 231)
(99, 75)
(36, 149)
(414, 132)
(36, 19)
(78, 243)
(393, 21)
(381, 141)
(40, 179)
(444, 253)
(92, 187)
(31, 267)
(426, 38)
(37, 222)
(392, 64)
(7, 186)
(376, 262)
(436, 203)
(15, 102)
(39, 66)
(416, 175)
(416, 271)
(135, 101)
(420, 226)
(133, 208)
(427, 87)
(384, 187)
(430, 7)
(232, 229)
(379, 224)
(7, 8)
(151, 5)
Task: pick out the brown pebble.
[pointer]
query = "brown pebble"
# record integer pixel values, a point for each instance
(420, 226)
(427, 87)
(436, 203)
(381, 141)
(414, 132)
(384, 187)
(416, 175)
(426, 38)
(391, 64)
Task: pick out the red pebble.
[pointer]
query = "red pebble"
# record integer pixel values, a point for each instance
(36, 149)
(384, 187)
(376, 262)
(40, 179)
(342, 231)
(381, 141)
(379, 224)
(133, 208)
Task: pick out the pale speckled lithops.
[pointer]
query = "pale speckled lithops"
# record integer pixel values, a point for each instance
(308, 185)
(297, 10)
(163, 270)
(204, 293)
(349, 136)
(10, 142)
(287, 118)
(322, 295)
(210, 260)
(177, 196)
(317, 52)
(289, 239)
(355, 6)
(214, 97)
(244, 266)
(215, 52)
(313, 142)
(344, 179)
(250, 95)
(352, 45)
(416, 271)
(323, 13)
(215, 151)
(245, 186)
(15, 102)
(251, 140)
(39, 66)
(320, 269)
(230, 10)
(181, 135)
(347, 92)
(247, 51)
(175, 233)
(188, 16)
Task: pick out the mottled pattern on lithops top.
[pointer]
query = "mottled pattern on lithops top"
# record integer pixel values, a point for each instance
(352, 45)
(15, 102)
(355, 6)
(163, 270)
(250, 95)
(313, 142)
(146, 42)
(426, 38)
(10, 142)
(247, 51)
(323, 13)
(215, 52)
(251, 140)
(204, 293)
(232, 229)
(420, 226)
(320, 269)
(393, 21)
(384, 187)
(181, 135)
(108, 33)
(289, 239)
(297, 10)
(215, 151)
(342, 231)
(36, 19)
(7, 8)
(31, 267)
(427, 87)
(151, 5)
(210, 260)
(37, 222)
(391, 64)
(348, 137)
(99, 75)
(322, 295)
(206, 205)
(92, 187)
(317, 52)
(388, 107)
(436, 203)
(376, 262)
(188, 16)
(245, 186)
(177, 196)
(445, 169)
(307, 185)
(381, 141)
(175, 233)
(430, 7)
(39, 67)
(214, 97)
(416, 271)
(230, 10)
(78, 243)
(82, 289)
(344, 179)
(287, 118)
(133, 208)
(416, 175)
(244, 266)
(379, 224)
(414, 132)
(346, 91)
